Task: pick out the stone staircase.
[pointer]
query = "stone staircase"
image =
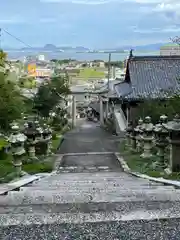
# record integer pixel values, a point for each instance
(89, 203)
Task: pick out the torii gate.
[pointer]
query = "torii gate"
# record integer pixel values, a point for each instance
(92, 92)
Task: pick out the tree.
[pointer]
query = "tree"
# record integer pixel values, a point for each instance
(11, 102)
(27, 82)
(118, 64)
(50, 94)
(169, 106)
(3, 58)
(176, 40)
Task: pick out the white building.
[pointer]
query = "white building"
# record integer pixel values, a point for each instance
(170, 50)
(41, 58)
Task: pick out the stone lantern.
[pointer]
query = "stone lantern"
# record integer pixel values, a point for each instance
(129, 131)
(40, 144)
(147, 137)
(39, 131)
(47, 136)
(139, 132)
(173, 128)
(31, 134)
(161, 141)
(25, 125)
(52, 114)
(17, 141)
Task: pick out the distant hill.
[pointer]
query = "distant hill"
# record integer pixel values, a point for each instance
(148, 47)
(50, 47)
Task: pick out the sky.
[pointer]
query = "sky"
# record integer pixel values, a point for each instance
(89, 23)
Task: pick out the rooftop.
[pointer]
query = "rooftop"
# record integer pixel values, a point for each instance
(150, 76)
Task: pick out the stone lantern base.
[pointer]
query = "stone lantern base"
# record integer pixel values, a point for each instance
(147, 148)
(17, 163)
(32, 153)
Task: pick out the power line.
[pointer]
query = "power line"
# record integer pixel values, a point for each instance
(81, 52)
(16, 38)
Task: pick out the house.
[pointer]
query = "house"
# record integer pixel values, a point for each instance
(170, 49)
(148, 77)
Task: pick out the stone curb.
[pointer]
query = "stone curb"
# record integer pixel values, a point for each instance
(5, 188)
(57, 162)
(144, 176)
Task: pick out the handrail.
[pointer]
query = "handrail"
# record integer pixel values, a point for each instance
(120, 119)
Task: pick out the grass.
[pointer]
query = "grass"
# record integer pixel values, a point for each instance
(38, 167)
(87, 73)
(6, 166)
(7, 172)
(145, 166)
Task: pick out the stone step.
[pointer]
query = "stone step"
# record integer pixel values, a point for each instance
(76, 169)
(152, 226)
(93, 176)
(98, 176)
(93, 181)
(85, 167)
(81, 218)
(94, 187)
(123, 207)
(71, 181)
(53, 196)
(94, 184)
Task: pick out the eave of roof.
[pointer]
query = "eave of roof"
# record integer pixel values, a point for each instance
(151, 77)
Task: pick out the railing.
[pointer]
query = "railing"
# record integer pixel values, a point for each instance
(120, 120)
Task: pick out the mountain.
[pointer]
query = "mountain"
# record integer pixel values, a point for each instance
(50, 47)
(148, 47)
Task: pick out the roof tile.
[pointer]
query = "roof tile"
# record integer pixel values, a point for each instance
(151, 76)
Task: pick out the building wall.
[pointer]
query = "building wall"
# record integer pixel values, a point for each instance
(134, 114)
(131, 112)
(170, 51)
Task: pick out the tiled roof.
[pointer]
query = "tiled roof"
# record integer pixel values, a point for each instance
(123, 89)
(150, 76)
(112, 93)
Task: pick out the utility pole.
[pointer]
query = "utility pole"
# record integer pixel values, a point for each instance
(109, 69)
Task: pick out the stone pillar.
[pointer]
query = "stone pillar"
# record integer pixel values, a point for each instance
(107, 109)
(139, 132)
(31, 134)
(17, 140)
(161, 141)
(74, 111)
(127, 114)
(101, 111)
(174, 131)
(129, 130)
(147, 138)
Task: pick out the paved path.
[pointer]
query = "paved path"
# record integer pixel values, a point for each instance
(89, 137)
(91, 198)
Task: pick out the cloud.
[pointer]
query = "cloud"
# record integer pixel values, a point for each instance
(83, 2)
(168, 29)
(153, 1)
(11, 20)
(165, 7)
